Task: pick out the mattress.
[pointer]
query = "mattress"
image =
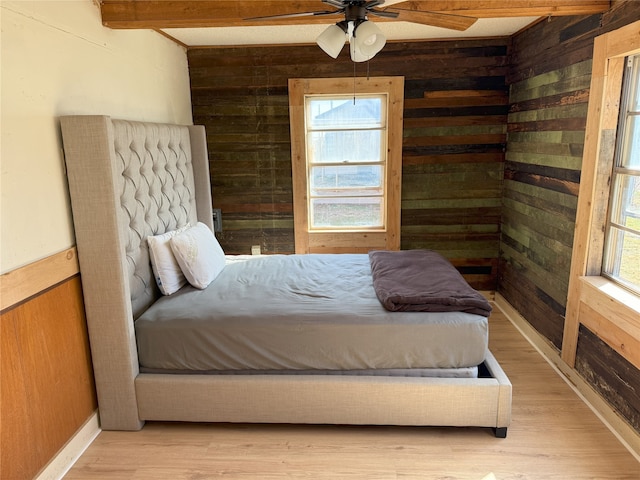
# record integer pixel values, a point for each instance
(467, 372)
(301, 313)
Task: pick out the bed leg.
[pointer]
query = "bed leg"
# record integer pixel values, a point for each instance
(501, 432)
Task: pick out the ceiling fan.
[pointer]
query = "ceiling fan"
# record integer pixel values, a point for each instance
(364, 37)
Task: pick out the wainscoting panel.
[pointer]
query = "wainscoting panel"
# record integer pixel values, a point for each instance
(47, 384)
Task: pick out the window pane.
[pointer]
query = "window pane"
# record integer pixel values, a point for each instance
(622, 243)
(631, 146)
(346, 146)
(340, 112)
(359, 179)
(624, 263)
(634, 101)
(346, 212)
(625, 206)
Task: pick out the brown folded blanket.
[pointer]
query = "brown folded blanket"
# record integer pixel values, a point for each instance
(422, 281)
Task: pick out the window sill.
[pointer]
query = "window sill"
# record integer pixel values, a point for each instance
(613, 302)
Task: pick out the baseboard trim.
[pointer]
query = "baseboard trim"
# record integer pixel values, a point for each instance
(607, 415)
(71, 452)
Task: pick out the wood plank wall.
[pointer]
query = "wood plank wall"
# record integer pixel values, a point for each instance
(549, 83)
(453, 148)
(47, 386)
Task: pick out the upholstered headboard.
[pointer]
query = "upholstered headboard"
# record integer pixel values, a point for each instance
(128, 180)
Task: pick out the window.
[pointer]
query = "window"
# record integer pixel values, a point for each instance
(346, 143)
(346, 158)
(604, 255)
(621, 260)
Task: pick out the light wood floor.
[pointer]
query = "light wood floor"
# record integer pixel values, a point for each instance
(553, 435)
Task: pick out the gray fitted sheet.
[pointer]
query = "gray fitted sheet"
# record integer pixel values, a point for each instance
(300, 312)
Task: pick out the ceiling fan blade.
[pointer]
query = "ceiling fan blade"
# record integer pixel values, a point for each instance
(388, 3)
(293, 15)
(383, 13)
(335, 3)
(443, 20)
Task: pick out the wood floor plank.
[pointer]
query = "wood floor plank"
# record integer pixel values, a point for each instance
(553, 435)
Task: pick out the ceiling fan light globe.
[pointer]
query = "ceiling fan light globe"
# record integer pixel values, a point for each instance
(332, 40)
(368, 39)
(356, 54)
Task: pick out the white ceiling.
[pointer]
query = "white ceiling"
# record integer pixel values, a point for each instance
(306, 34)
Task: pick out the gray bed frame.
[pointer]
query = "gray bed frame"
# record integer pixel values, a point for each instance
(128, 180)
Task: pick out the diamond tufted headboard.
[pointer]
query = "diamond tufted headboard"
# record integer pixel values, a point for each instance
(156, 194)
(127, 180)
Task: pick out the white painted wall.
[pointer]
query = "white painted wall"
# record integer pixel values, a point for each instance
(58, 59)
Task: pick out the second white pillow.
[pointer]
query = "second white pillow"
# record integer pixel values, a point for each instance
(199, 255)
(166, 270)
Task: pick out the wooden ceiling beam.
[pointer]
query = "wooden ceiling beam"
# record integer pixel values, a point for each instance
(509, 8)
(157, 14)
(202, 13)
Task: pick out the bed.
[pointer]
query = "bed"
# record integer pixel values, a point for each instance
(131, 180)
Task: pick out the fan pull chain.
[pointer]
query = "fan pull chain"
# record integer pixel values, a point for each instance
(354, 83)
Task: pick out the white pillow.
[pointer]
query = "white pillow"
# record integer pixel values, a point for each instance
(166, 270)
(199, 255)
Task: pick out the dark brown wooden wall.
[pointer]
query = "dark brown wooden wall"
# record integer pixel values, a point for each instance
(549, 83)
(453, 147)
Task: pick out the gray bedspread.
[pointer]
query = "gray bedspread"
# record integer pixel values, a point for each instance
(301, 312)
(423, 281)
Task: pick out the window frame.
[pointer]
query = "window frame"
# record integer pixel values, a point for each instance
(608, 310)
(613, 241)
(382, 161)
(336, 240)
